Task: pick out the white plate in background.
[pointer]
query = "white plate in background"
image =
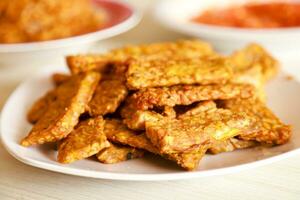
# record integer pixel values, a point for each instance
(283, 95)
(121, 18)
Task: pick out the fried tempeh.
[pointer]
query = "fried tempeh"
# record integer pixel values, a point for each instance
(108, 96)
(203, 106)
(230, 144)
(158, 71)
(190, 132)
(118, 153)
(184, 48)
(62, 115)
(59, 78)
(39, 108)
(255, 55)
(187, 94)
(269, 129)
(135, 119)
(84, 141)
(119, 133)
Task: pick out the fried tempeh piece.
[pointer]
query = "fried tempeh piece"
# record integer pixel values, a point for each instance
(269, 129)
(158, 71)
(230, 144)
(62, 115)
(119, 133)
(184, 48)
(86, 140)
(190, 132)
(203, 106)
(135, 119)
(59, 78)
(39, 108)
(108, 96)
(83, 63)
(187, 94)
(118, 153)
(255, 55)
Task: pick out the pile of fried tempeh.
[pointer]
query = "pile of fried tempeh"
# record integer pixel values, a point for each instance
(178, 100)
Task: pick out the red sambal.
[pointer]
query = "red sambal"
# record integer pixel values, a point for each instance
(265, 15)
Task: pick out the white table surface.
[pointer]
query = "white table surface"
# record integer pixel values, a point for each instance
(280, 180)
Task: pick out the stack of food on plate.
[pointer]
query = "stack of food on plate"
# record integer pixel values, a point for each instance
(179, 100)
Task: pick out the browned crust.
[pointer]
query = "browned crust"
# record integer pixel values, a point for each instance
(99, 62)
(255, 55)
(108, 96)
(116, 153)
(86, 140)
(59, 78)
(63, 114)
(39, 108)
(117, 132)
(190, 132)
(158, 71)
(268, 127)
(187, 94)
(230, 145)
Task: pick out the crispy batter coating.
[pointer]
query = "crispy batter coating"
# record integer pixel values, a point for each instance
(63, 114)
(190, 132)
(184, 48)
(230, 144)
(203, 106)
(83, 63)
(268, 128)
(189, 161)
(255, 55)
(86, 140)
(118, 153)
(187, 94)
(119, 133)
(59, 78)
(39, 108)
(135, 119)
(158, 71)
(108, 96)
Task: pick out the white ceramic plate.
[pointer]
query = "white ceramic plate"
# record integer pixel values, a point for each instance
(121, 18)
(177, 15)
(284, 98)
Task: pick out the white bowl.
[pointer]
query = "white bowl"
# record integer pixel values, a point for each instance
(177, 14)
(123, 15)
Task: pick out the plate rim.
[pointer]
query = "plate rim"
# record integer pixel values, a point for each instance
(180, 175)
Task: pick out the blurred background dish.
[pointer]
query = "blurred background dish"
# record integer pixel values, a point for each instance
(30, 40)
(181, 16)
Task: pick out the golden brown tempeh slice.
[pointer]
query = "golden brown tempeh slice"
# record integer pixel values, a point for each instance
(190, 132)
(39, 108)
(62, 115)
(86, 140)
(203, 106)
(83, 63)
(184, 48)
(118, 153)
(108, 96)
(158, 71)
(187, 94)
(135, 119)
(59, 78)
(269, 129)
(230, 144)
(119, 133)
(189, 161)
(255, 55)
